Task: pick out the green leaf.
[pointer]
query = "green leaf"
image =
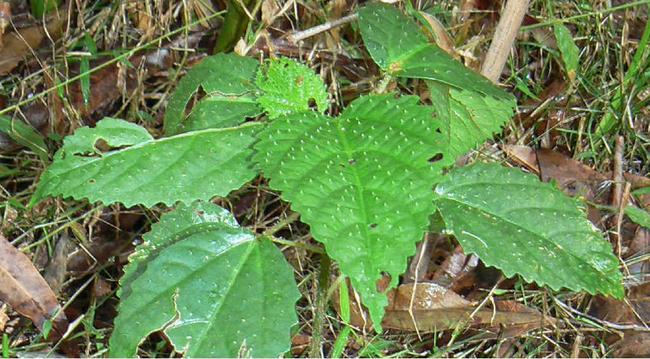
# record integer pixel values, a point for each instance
(222, 75)
(468, 119)
(289, 87)
(220, 112)
(522, 226)
(25, 135)
(209, 285)
(638, 216)
(470, 107)
(141, 170)
(389, 35)
(568, 48)
(362, 181)
(399, 47)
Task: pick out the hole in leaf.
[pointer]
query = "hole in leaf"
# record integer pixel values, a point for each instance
(352, 161)
(372, 225)
(438, 130)
(197, 96)
(312, 104)
(92, 181)
(384, 282)
(436, 158)
(102, 146)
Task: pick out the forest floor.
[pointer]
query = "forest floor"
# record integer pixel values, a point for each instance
(588, 129)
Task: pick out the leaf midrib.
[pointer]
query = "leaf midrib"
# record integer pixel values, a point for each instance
(244, 259)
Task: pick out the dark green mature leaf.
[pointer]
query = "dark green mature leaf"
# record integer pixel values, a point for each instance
(363, 182)
(209, 285)
(468, 119)
(289, 87)
(25, 135)
(514, 222)
(140, 170)
(221, 112)
(222, 75)
(398, 46)
(470, 107)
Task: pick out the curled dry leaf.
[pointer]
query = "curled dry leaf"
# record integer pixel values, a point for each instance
(442, 37)
(22, 287)
(429, 307)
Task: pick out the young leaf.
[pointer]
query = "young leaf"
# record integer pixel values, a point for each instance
(568, 48)
(222, 75)
(140, 170)
(514, 222)
(398, 46)
(209, 285)
(363, 182)
(289, 87)
(467, 119)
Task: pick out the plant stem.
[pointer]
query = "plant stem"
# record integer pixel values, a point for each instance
(282, 223)
(504, 37)
(306, 246)
(321, 304)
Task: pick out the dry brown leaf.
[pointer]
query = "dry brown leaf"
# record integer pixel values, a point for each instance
(634, 345)
(456, 269)
(635, 310)
(22, 287)
(435, 308)
(299, 344)
(429, 307)
(440, 34)
(56, 270)
(20, 44)
(573, 177)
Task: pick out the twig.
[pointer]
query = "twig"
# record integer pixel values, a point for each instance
(617, 174)
(301, 35)
(617, 192)
(282, 223)
(321, 306)
(604, 323)
(307, 246)
(504, 37)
